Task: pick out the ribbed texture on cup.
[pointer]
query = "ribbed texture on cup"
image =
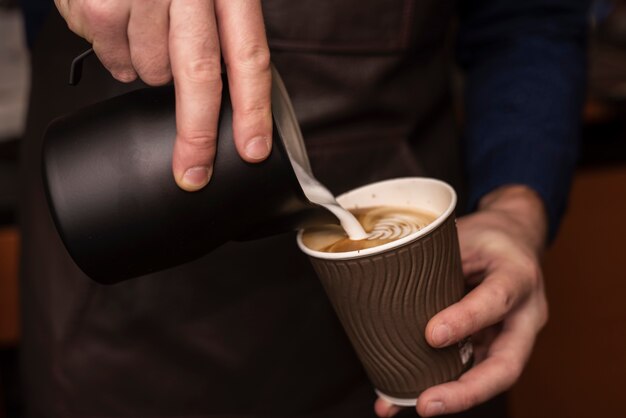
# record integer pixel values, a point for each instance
(384, 302)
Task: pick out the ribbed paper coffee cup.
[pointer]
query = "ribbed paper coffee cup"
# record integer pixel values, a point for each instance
(384, 296)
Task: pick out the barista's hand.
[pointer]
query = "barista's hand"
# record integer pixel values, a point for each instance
(501, 246)
(160, 39)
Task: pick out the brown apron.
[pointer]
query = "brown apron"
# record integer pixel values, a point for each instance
(246, 331)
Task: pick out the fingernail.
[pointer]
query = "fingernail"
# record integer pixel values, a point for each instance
(196, 178)
(441, 335)
(258, 148)
(434, 408)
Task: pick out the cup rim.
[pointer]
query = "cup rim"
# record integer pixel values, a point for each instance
(348, 255)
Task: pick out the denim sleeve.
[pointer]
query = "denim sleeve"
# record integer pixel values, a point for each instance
(525, 71)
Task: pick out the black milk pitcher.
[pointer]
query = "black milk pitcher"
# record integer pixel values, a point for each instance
(113, 198)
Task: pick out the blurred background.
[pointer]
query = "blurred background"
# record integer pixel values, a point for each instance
(14, 75)
(579, 364)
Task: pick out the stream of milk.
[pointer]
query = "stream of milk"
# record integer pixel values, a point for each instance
(319, 194)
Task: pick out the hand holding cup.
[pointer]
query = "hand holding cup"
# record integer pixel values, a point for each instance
(384, 295)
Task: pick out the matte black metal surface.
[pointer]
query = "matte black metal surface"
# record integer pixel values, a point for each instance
(107, 170)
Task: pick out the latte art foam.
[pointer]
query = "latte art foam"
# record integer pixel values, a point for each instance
(383, 224)
(393, 228)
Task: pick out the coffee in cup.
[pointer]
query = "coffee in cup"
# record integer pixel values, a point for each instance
(383, 224)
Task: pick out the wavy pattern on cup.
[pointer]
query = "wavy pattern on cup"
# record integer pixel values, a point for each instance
(384, 303)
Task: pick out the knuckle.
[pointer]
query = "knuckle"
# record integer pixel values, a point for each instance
(256, 108)
(154, 71)
(253, 57)
(469, 400)
(200, 140)
(544, 313)
(530, 268)
(204, 71)
(527, 265)
(74, 26)
(99, 12)
(501, 295)
(119, 65)
(469, 325)
(73, 18)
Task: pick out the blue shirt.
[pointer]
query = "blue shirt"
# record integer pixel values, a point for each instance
(525, 75)
(525, 66)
